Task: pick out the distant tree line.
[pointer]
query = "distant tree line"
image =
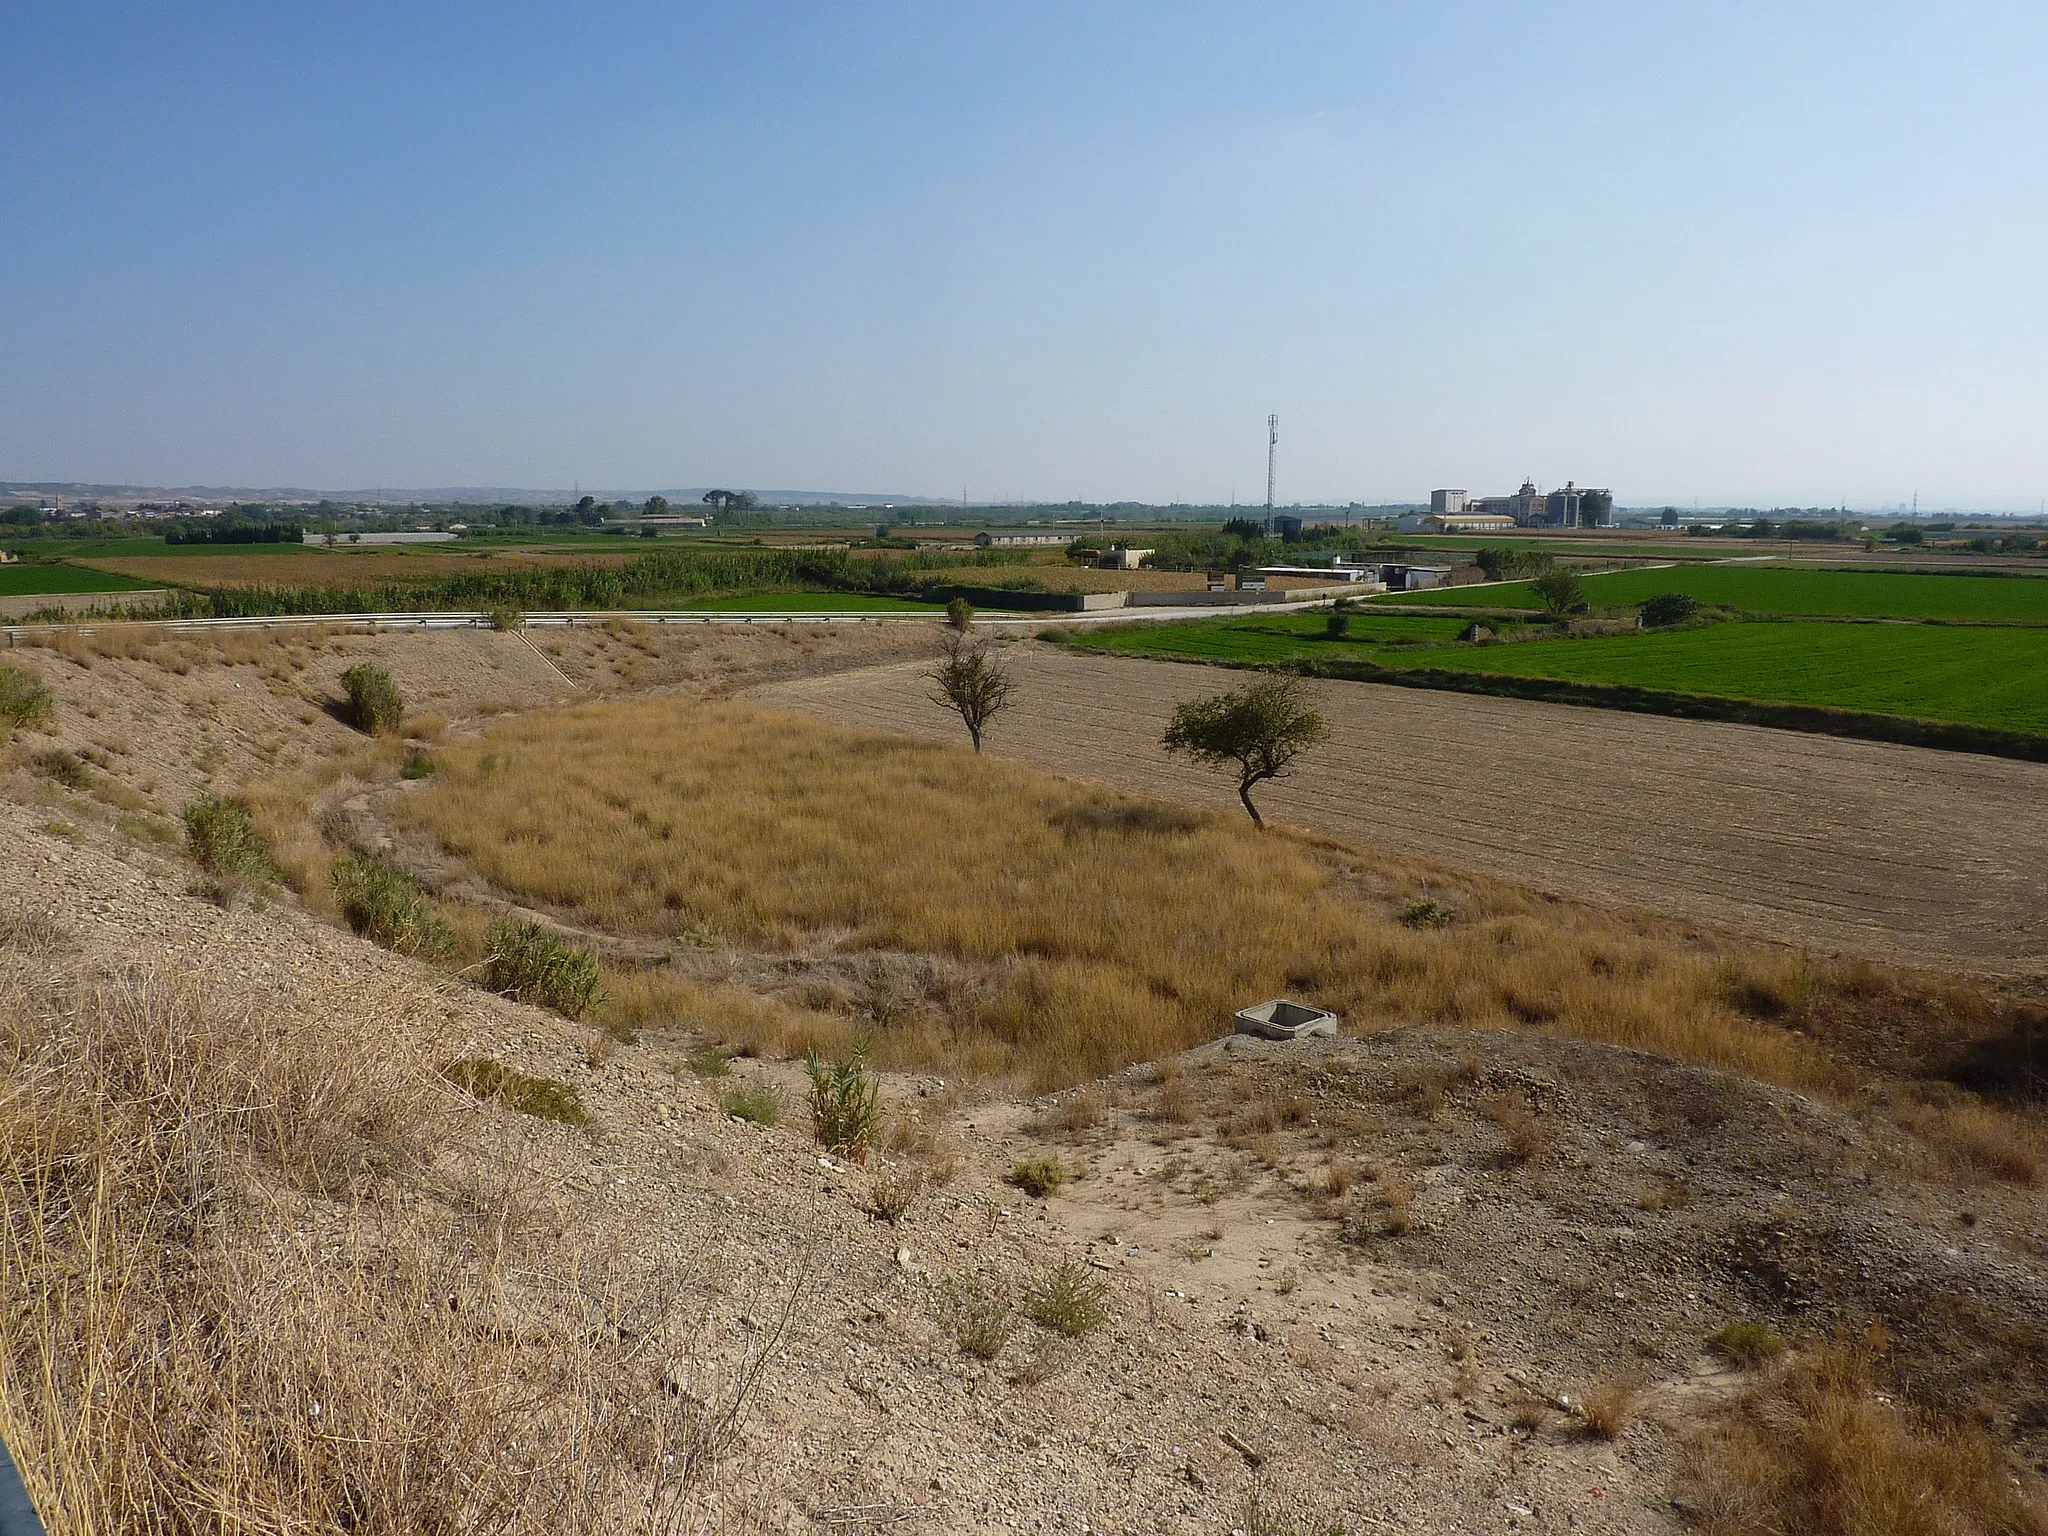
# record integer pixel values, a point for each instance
(206, 530)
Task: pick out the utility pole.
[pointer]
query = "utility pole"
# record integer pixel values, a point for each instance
(1272, 449)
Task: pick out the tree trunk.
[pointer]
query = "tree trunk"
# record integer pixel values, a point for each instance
(1244, 793)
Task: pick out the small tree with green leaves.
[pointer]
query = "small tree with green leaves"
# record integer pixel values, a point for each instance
(960, 614)
(972, 681)
(1259, 730)
(1560, 592)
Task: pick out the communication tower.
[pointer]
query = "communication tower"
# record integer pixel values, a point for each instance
(1272, 449)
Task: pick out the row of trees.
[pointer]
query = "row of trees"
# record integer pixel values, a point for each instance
(1256, 732)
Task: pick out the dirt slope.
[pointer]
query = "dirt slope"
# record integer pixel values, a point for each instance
(1855, 847)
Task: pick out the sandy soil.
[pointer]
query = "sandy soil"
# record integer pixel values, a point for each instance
(1898, 853)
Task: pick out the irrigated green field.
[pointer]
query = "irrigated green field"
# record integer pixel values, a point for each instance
(1271, 637)
(1983, 675)
(1791, 591)
(1974, 675)
(28, 580)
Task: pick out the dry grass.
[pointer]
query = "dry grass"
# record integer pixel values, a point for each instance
(1527, 1137)
(1608, 1410)
(218, 1321)
(1819, 1450)
(1109, 930)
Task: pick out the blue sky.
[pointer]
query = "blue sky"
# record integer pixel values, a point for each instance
(1782, 253)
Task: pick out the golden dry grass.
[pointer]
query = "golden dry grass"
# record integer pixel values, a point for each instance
(1819, 1450)
(238, 1298)
(1107, 929)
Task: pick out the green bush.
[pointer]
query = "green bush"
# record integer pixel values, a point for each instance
(710, 1062)
(1745, 1343)
(960, 613)
(757, 1103)
(845, 1102)
(1067, 1299)
(1668, 608)
(374, 706)
(383, 905)
(24, 701)
(499, 1084)
(1424, 912)
(505, 619)
(531, 965)
(222, 841)
(1037, 1177)
(1338, 625)
(418, 766)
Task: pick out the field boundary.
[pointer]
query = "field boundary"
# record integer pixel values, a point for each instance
(1813, 719)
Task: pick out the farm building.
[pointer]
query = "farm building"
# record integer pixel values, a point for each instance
(1119, 558)
(1016, 540)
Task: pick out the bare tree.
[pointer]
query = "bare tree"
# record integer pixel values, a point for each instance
(971, 681)
(1259, 730)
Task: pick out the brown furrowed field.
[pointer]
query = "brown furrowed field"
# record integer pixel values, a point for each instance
(1895, 853)
(339, 567)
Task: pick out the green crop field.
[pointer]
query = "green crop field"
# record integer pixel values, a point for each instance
(1790, 591)
(1271, 637)
(1995, 677)
(1992, 676)
(35, 580)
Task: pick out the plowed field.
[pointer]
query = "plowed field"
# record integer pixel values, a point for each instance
(1895, 852)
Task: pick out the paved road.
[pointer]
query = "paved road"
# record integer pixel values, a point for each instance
(1899, 853)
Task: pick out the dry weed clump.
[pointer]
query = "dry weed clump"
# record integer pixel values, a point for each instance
(1528, 1138)
(1820, 1449)
(235, 1302)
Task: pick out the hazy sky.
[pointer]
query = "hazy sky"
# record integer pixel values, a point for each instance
(1776, 252)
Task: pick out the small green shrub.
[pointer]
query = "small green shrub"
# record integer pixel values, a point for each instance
(845, 1103)
(417, 766)
(757, 1103)
(374, 706)
(383, 905)
(1668, 608)
(710, 1062)
(1423, 912)
(1037, 1177)
(527, 963)
(1067, 1299)
(960, 613)
(977, 1315)
(499, 1084)
(1745, 1343)
(1338, 624)
(504, 619)
(25, 701)
(223, 842)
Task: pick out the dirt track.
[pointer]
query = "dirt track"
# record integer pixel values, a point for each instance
(1898, 853)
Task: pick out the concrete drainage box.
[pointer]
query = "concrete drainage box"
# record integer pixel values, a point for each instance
(1282, 1020)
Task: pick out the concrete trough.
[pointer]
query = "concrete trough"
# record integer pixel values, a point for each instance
(1282, 1020)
